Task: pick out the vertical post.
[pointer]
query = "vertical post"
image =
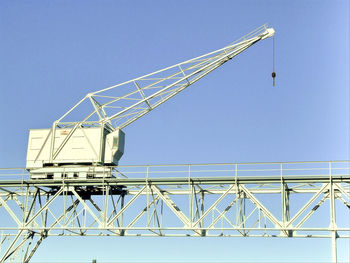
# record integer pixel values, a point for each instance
(202, 212)
(334, 246)
(283, 196)
(190, 195)
(122, 232)
(107, 193)
(237, 194)
(147, 195)
(52, 143)
(105, 200)
(236, 175)
(332, 216)
(285, 203)
(22, 177)
(64, 200)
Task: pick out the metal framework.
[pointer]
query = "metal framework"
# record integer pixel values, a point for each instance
(118, 106)
(300, 199)
(113, 108)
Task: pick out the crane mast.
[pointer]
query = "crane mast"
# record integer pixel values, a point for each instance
(82, 146)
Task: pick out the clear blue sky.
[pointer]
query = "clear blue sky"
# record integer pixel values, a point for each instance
(54, 52)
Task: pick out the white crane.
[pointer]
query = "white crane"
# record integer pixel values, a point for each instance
(88, 146)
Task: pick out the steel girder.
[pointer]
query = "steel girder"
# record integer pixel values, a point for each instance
(285, 205)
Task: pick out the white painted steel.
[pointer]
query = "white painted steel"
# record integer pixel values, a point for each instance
(113, 108)
(177, 200)
(85, 146)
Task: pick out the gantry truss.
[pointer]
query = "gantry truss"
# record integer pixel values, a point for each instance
(300, 199)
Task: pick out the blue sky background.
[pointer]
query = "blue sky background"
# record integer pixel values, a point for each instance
(54, 52)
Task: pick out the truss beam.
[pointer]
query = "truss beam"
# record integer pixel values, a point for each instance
(156, 204)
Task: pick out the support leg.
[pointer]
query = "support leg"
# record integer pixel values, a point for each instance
(334, 246)
(20, 248)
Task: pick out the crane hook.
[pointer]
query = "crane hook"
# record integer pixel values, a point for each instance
(273, 63)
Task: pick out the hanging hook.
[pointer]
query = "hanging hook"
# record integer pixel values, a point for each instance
(273, 63)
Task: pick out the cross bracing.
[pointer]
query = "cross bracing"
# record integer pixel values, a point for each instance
(305, 199)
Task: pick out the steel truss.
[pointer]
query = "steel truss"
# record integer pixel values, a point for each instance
(235, 200)
(119, 105)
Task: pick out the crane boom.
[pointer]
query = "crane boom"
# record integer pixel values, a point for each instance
(143, 94)
(115, 107)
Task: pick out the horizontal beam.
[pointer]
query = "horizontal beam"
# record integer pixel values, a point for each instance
(177, 181)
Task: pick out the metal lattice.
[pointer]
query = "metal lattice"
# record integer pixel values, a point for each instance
(234, 200)
(119, 105)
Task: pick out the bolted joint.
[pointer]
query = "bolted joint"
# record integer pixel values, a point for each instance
(44, 233)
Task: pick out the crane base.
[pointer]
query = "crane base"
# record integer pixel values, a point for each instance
(71, 172)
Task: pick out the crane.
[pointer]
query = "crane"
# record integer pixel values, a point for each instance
(89, 146)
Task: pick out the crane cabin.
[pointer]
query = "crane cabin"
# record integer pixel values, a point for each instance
(64, 154)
